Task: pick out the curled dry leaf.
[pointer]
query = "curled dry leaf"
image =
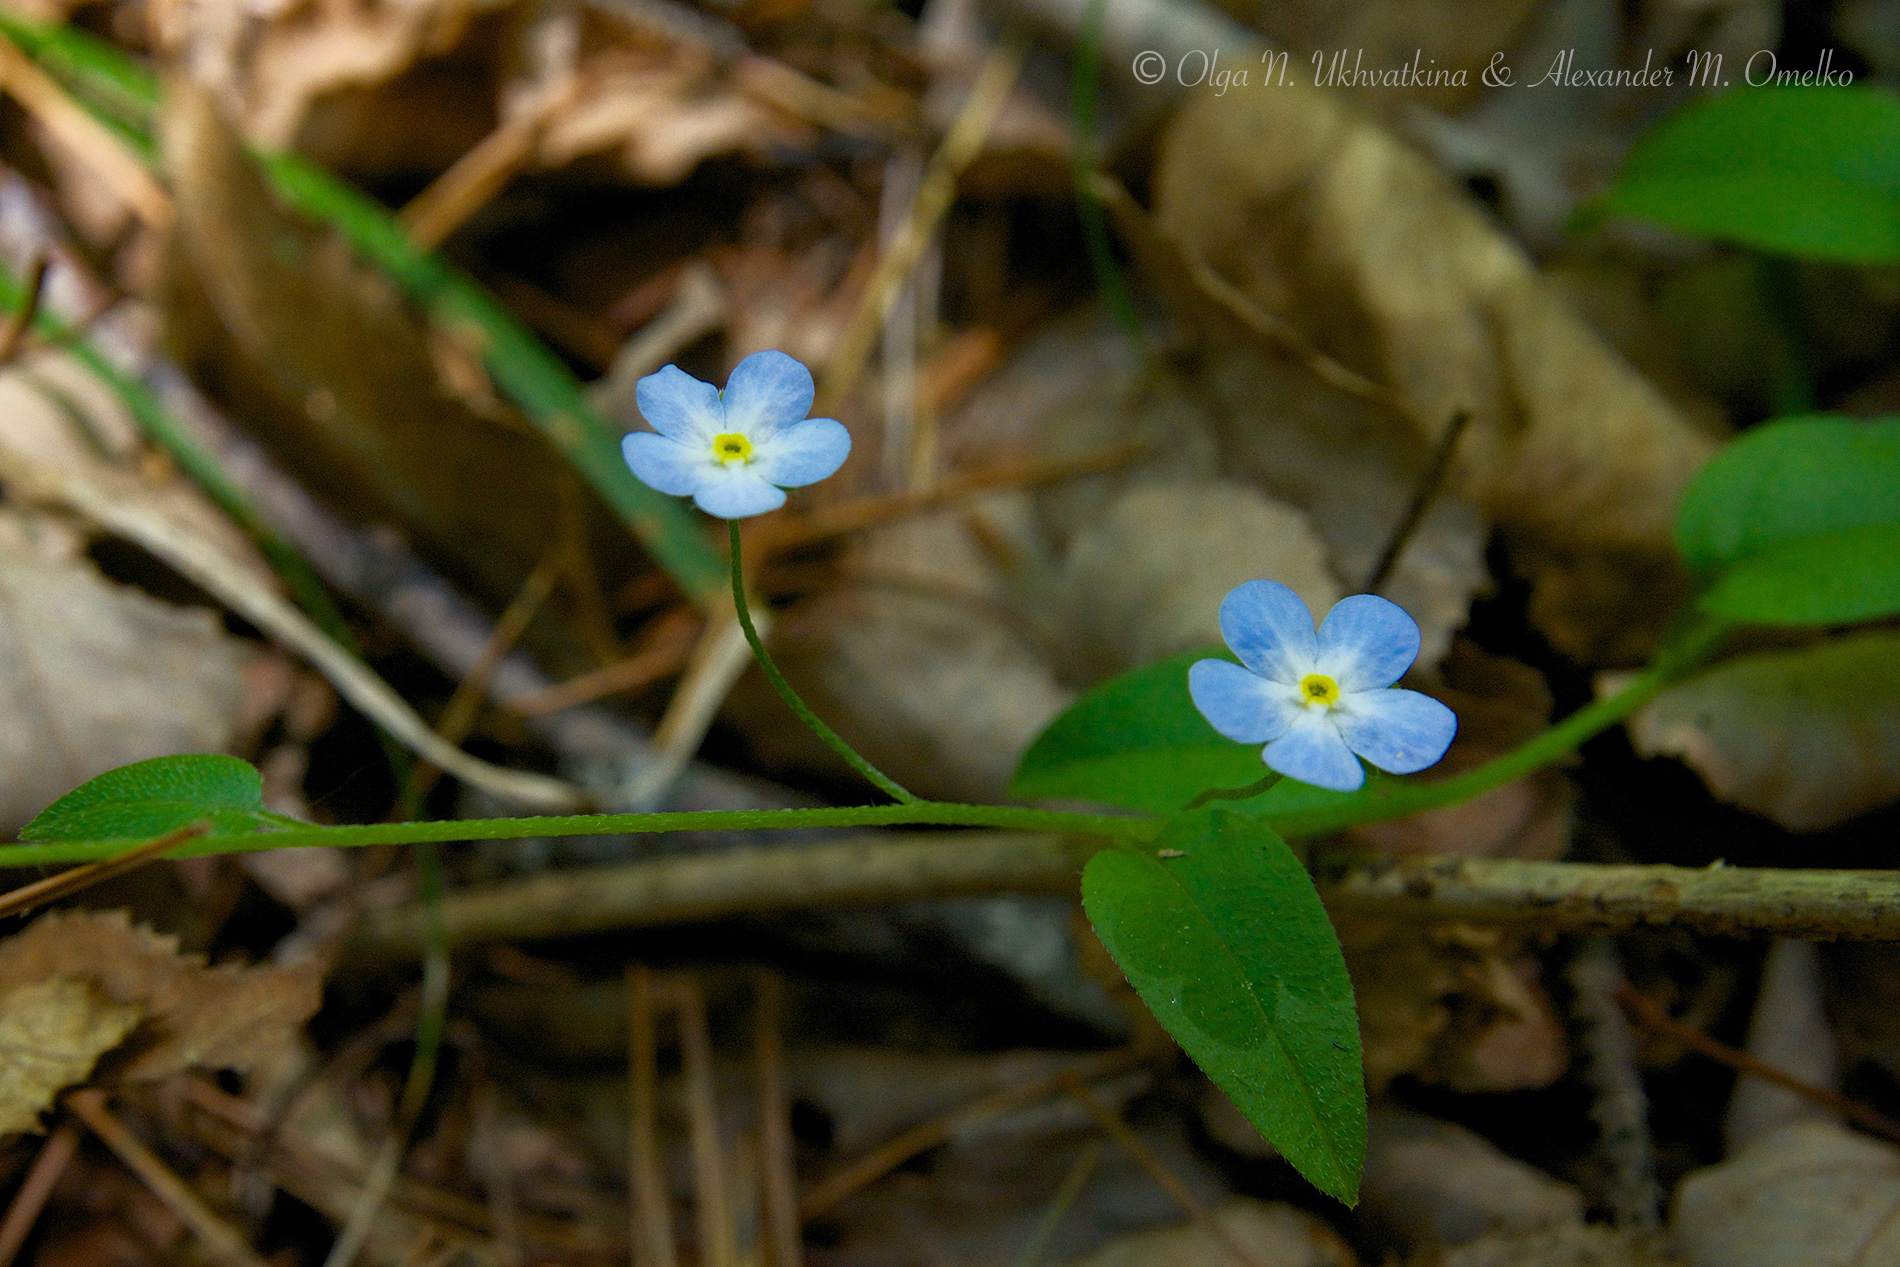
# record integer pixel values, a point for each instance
(1324, 219)
(51, 1033)
(220, 1018)
(94, 674)
(1809, 737)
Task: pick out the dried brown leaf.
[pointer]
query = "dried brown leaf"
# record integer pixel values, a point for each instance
(330, 367)
(51, 1033)
(222, 1018)
(95, 674)
(1326, 220)
(1809, 737)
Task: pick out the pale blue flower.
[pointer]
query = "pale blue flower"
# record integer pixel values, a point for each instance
(1316, 698)
(734, 453)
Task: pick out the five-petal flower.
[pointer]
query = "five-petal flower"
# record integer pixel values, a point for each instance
(1317, 698)
(734, 452)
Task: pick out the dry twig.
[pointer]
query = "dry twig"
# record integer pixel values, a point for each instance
(1157, 1170)
(219, 1238)
(66, 883)
(48, 1165)
(1650, 1015)
(782, 1244)
(94, 143)
(887, 1157)
(650, 1224)
(961, 144)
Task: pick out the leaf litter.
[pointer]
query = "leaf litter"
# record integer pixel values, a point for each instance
(1319, 298)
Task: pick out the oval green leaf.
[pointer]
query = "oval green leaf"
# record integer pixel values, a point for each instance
(1796, 523)
(1228, 945)
(1811, 171)
(150, 798)
(1138, 742)
(1835, 578)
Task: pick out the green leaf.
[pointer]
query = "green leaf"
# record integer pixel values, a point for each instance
(1795, 522)
(150, 798)
(1812, 171)
(1831, 579)
(1230, 948)
(1136, 741)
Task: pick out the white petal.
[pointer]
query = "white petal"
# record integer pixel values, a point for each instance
(767, 390)
(802, 453)
(735, 493)
(667, 465)
(1241, 705)
(1313, 752)
(1271, 629)
(1401, 732)
(1366, 642)
(676, 404)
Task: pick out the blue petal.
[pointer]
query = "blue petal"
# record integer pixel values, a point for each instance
(1401, 732)
(767, 390)
(1271, 629)
(676, 404)
(736, 493)
(1241, 705)
(1313, 752)
(1366, 643)
(802, 453)
(667, 465)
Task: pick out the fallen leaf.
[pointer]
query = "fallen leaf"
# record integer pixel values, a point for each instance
(1326, 221)
(1274, 1233)
(1810, 737)
(218, 1018)
(330, 367)
(1812, 1194)
(95, 675)
(1452, 1004)
(1572, 1244)
(1430, 1182)
(51, 1033)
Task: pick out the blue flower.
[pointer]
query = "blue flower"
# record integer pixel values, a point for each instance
(734, 453)
(1315, 699)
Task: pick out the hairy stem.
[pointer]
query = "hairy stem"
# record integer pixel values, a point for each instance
(884, 782)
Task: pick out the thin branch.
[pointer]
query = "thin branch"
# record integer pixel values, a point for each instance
(665, 653)
(712, 1191)
(1650, 1015)
(96, 145)
(66, 883)
(48, 1165)
(219, 1238)
(935, 192)
(887, 1157)
(649, 1223)
(1157, 1170)
(780, 1187)
(1429, 486)
(776, 536)
(872, 869)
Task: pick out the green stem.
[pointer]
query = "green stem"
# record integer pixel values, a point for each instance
(920, 813)
(884, 782)
(1083, 95)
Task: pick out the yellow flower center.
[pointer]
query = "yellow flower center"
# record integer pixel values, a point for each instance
(1318, 691)
(731, 448)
